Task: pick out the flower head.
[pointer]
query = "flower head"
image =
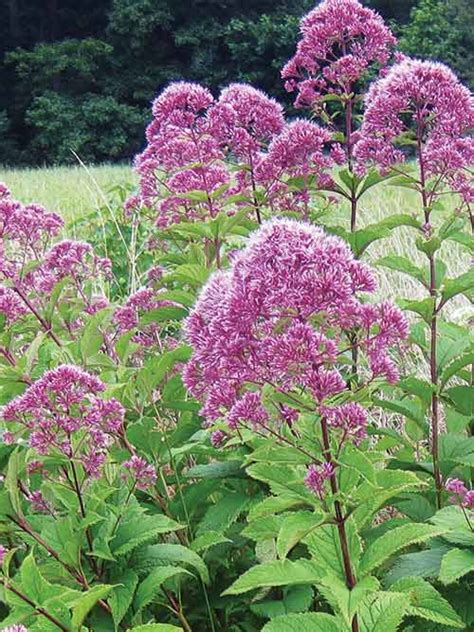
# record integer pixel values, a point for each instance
(426, 101)
(63, 406)
(143, 473)
(340, 41)
(279, 317)
(316, 477)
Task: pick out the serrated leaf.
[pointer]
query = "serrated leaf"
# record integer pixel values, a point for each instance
(460, 285)
(206, 540)
(225, 512)
(121, 596)
(151, 585)
(388, 544)
(295, 527)
(382, 612)
(306, 622)
(139, 530)
(276, 573)
(325, 548)
(165, 554)
(404, 265)
(84, 604)
(456, 564)
(426, 602)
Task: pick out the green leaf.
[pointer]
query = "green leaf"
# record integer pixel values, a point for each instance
(455, 366)
(217, 469)
(456, 564)
(225, 512)
(294, 528)
(451, 519)
(426, 602)
(156, 627)
(271, 505)
(121, 596)
(404, 265)
(283, 479)
(208, 539)
(84, 604)
(276, 573)
(388, 544)
(193, 274)
(163, 314)
(295, 599)
(325, 548)
(423, 308)
(164, 554)
(382, 612)
(307, 622)
(91, 337)
(151, 585)
(460, 285)
(354, 458)
(425, 563)
(462, 398)
(138, 530)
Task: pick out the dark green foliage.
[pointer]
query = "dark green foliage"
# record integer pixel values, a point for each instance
(75, 68)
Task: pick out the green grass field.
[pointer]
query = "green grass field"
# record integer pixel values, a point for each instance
(77, 191)
(70, 191)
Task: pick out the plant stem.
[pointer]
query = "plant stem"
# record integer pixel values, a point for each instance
(351, 580)
(433, 330)
(46, 326)
(77, 489)
(178, 611)
(31, 603)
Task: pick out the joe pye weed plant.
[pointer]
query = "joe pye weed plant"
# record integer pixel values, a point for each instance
(211, 419)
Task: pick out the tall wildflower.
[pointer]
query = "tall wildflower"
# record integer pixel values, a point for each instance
(423, 102)
(281, 316)
(423, 105)
(277, 325)
(340, 42)
(64, 413)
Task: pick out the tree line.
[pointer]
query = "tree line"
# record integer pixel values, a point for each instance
(78, 78)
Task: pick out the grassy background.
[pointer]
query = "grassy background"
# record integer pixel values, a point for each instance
(76, 191)
(70, 191)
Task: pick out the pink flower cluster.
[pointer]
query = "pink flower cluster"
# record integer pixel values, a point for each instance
(299, 151)
(340, 41)
(316, 477)
(426, 101)
(183, 170)
(11, 305)
(15, 628)
(142, 473)
(25, 231)
(63, 412)
(281, 316)
(30, 267)
(128, 316)
(460, 494)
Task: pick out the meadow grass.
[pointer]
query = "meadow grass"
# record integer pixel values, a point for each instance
(70, 191)
(75, 192)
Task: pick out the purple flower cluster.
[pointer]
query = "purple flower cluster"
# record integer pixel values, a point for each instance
(281, 316)
(25, 231)
(64, 412)
(427, 101)
(11, 305)
(299, 151)
(142, 473)
(15, 628)
(128, 316)
(185, 168)
(460, 494)
(340, 41)
(316, 477)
